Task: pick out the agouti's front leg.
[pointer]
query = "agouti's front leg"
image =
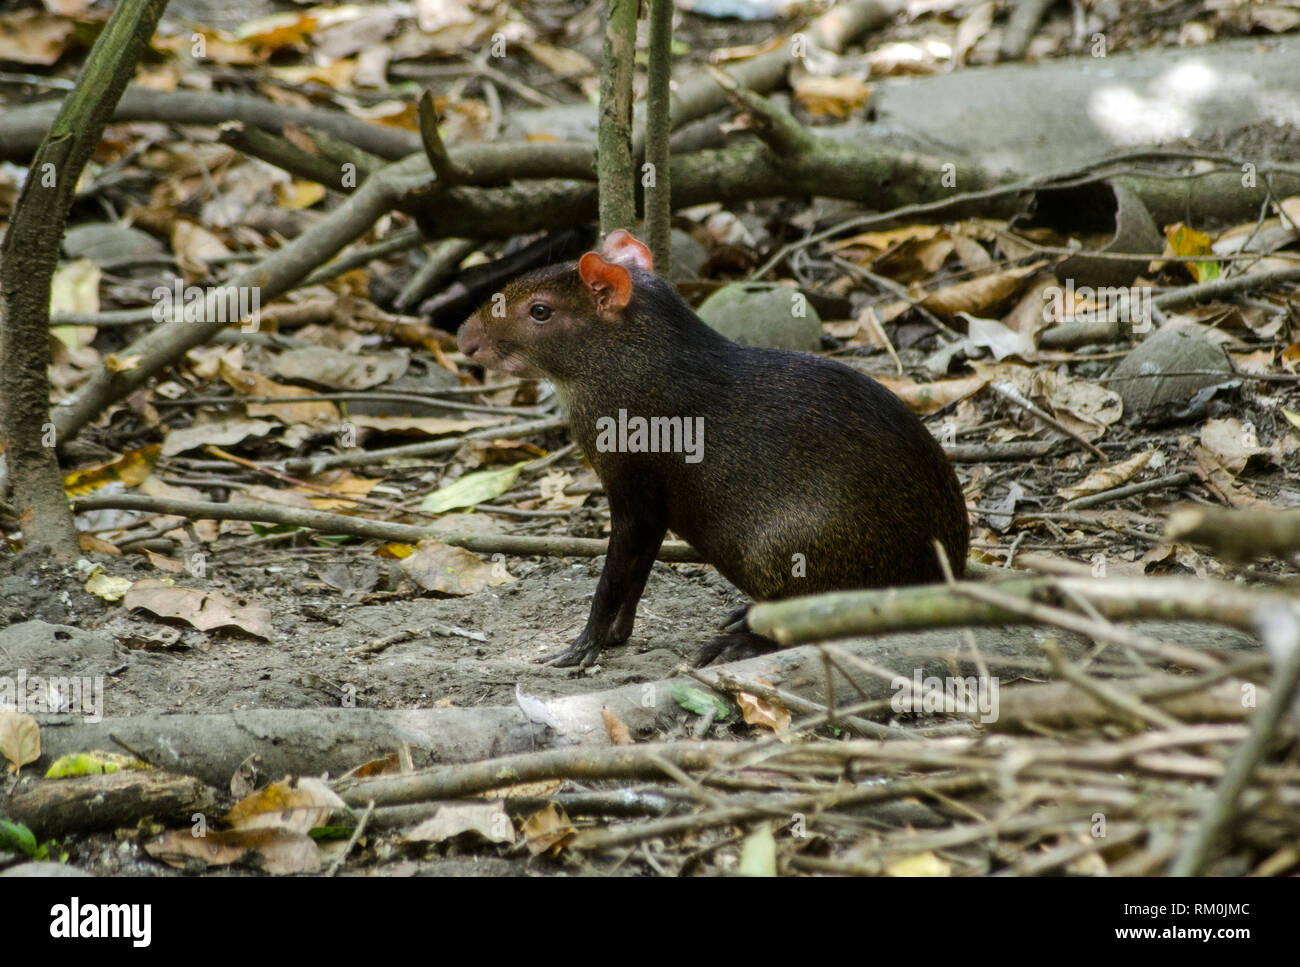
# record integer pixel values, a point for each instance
(633, 544)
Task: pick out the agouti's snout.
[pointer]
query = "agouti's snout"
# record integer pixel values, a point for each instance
(470, 337)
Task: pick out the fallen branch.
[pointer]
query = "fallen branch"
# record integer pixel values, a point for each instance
(1281, 628)
(843, 614)
(1239, 535)
(326, 523)
(289, 741)
(115, 800)
(23, 127)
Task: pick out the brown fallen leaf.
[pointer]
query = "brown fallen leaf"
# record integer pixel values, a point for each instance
(341, 370)
(454, 571)
(1107, 477)
(1082, 405)
(615, 727)
(562, 61)
(916, 258)
(276, 31)
(342, 483)
(34, 37)
(1162, 558)
(489, 820)
(980, 295)
(1222, 482)
(194, 245)
(836, 97)
(553, 495)
(1232, 442)
(927, 398)
(390, 764)
(548, 829)
(91, 544)
(297, 804)
(171, 565)
(20, 736)
(204, 610)
(311, 412)
(759, 711)
(279, 851)
(221, 433)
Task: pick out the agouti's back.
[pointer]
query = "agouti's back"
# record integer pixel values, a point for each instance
(812, 477)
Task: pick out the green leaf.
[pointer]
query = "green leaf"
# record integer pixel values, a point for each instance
(699, 701)
(471, 489)
(262, 530)
(17, 838)
(330, 832)
(91, 764)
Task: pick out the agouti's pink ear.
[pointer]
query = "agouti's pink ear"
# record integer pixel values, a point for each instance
(610, 283)
(622, 247)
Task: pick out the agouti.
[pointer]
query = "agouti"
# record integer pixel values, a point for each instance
(789, 473)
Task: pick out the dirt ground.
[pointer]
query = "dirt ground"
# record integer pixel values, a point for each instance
(308, 664)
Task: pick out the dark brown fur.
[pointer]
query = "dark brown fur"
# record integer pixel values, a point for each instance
(801, 456)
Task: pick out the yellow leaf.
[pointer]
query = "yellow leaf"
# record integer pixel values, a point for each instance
(277, 30)
(106, 587)
(1183, 240)
(92, 764)
(129, 469)
(301, 194)
(918, 864)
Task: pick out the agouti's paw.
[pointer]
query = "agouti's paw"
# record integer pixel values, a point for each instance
(734, 647)
(580, 654)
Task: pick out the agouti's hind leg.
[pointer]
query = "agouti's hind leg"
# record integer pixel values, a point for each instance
(738, 620)
(736, 642)
(736, 646)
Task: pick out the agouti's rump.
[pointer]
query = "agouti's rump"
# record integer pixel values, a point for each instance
(790, 473)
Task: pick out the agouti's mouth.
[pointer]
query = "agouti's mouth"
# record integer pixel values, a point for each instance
(503, 358)
(518, 365)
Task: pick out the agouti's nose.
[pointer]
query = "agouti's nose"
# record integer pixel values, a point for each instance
(468, 338)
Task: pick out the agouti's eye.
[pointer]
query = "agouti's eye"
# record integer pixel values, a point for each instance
(540, 312)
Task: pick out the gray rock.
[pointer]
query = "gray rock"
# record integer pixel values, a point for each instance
(1168, 350)
(764, 316)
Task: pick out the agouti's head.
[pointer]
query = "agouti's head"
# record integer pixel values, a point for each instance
(546, 323)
